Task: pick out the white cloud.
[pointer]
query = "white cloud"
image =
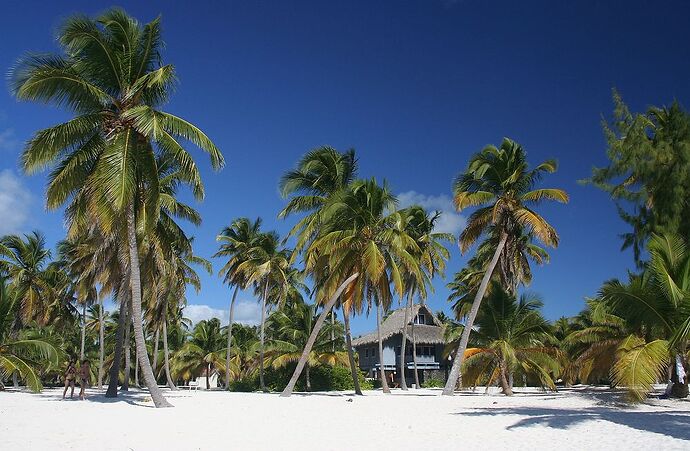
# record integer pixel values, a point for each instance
(246, 312)
(15, 200)
(449, 222)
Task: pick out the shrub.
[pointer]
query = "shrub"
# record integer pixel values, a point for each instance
(245, 385)
(433, 383)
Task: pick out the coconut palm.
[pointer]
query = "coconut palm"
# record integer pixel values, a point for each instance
(431, 259)
(655, 308)
(511, 337)
(290, 328)
(319, 176)
(202, 353)
(360, 236)
(265, 267)
(20, 356)
(245, 353)
(111, 77)
(24, 260)
(236, 240)
(501, 179)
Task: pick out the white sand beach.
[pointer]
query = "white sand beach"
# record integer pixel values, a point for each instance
(579, 418)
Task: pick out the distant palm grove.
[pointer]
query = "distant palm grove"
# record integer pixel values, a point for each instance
(117, 169)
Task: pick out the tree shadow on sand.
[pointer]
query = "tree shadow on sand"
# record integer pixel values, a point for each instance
(673, 424)
(134, 397)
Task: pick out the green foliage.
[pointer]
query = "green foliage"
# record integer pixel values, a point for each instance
(648, 171)
(433, 383)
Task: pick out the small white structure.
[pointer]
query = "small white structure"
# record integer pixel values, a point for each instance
(200, 382)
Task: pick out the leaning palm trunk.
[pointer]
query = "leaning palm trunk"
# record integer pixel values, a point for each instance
(15, 380)
(403, 345)
(128, 350)
(83, 330)
(464, 339)
(382, 368)
(263, 338)
(114, 374)
(136, 370)
(414, 356)
(101, 344)
(314, 333)
(135, 282)
(350, 353)
(227, 353)
(166, 354)
(307, 377)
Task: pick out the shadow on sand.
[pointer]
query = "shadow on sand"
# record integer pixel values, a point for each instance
(610, 407)
(133, 397)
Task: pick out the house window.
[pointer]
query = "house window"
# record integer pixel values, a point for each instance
(420, 319)
(366, 353)
(373, 352)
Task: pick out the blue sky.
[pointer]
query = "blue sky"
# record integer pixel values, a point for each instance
(415, 87)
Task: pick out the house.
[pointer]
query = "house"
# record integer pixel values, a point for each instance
(428, 335)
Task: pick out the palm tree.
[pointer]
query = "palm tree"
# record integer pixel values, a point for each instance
(245, 353)
(512, 336)
(655, 308)
(266, 267)
(501, 179)
(319, 176)
(236, 241)
(111, 77)
(203, 351)
(290, 327)
(360, 236)
(25, 260)
(431, 259)
(15, 354)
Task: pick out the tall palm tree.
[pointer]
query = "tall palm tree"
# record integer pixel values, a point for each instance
(236, 241)
(431, 259)
(16, 354)
(361, 237)
(111, 77)
(512, 336)
(319, 176)
(266, 267)
(501, 179)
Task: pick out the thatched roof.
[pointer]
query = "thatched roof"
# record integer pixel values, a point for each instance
(393, 324)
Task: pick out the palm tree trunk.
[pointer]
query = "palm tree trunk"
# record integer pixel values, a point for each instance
(156, 339)
(382, 370)
(128, 350)
(464, 339)
(263, 338)
(314, 333)
(307, 377)
(505, 386)
(332, 331)
(166, 354)
(156, 394)
(403, 345)
(414, 349)
(208, 376)
(101, 344)
(15, 380)
(351, 354)
(227, 353)
(83, 330)
(114, 374)
(136, 369)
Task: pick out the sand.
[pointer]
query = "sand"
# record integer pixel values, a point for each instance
(579, 418)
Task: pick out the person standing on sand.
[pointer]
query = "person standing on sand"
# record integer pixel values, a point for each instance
(84, 373)
(70, 376)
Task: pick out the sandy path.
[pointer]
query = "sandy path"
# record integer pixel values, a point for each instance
(570, 419)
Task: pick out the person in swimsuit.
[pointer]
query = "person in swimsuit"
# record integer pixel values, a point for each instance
(84, 374)
(70, 377)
